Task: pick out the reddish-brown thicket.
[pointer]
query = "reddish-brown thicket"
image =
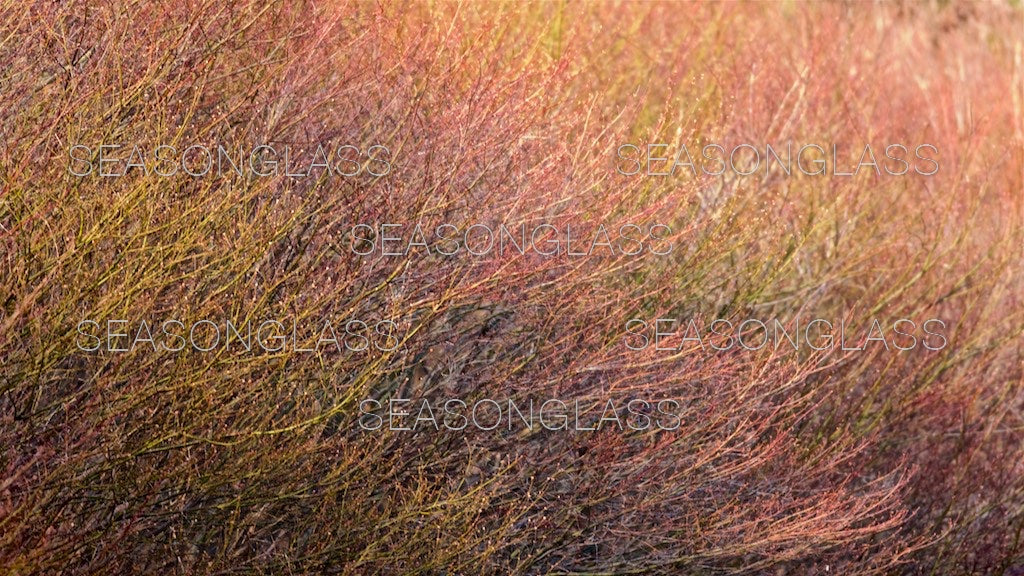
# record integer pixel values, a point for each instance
(807, 462)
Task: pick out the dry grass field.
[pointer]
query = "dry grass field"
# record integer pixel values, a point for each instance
(194, 194)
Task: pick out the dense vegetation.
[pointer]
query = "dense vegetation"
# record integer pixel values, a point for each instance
(253, 461)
